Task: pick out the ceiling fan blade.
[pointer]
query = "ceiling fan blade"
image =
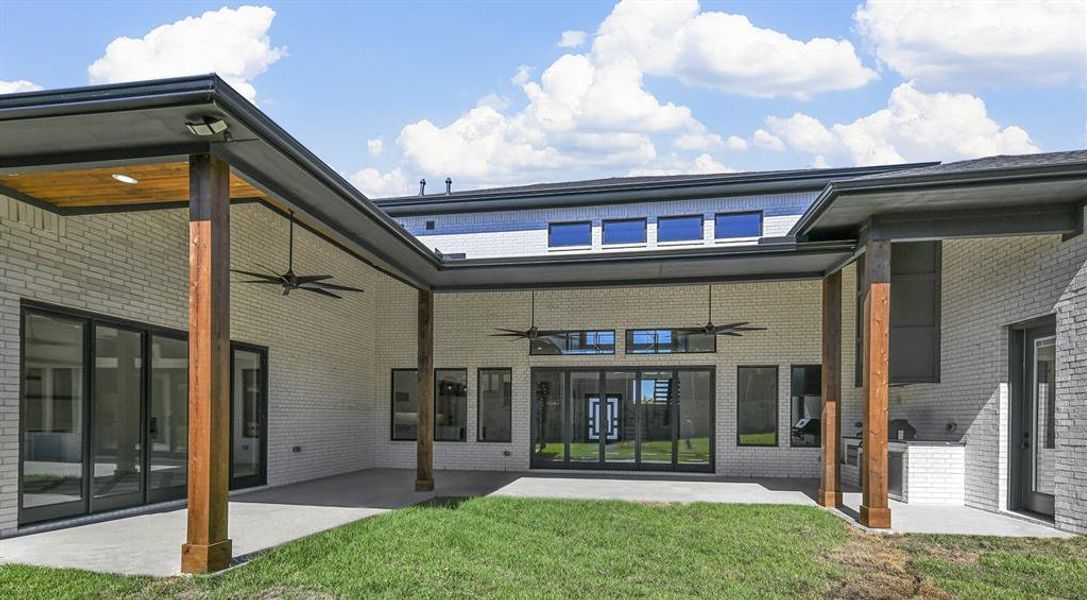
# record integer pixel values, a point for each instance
(731, 325)
(322, 292)
(264, 281)
(509, 335)
(270, 270)
(690, 329)
(334, 286)
(517, 331)
(312, 278)
(748, 329)
(275, 278)
(730, 333)
(551, 333)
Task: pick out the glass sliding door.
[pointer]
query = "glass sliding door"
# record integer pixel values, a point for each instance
(620, 443)
(585, 424)
(117, 406)
(54, 388)
(168, 419)
(657, 400)
(638, 419)
(248, 402)
(548, 417)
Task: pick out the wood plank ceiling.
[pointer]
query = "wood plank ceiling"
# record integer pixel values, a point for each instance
(96, 187)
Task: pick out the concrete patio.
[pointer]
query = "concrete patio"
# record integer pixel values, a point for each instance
(149, 543)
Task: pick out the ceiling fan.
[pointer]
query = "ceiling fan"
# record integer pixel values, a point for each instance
(534, 334)
(733, 329)
(289, 281)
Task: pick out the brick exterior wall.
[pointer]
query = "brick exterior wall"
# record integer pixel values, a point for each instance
(524, 232)
(135, 265)
(934, 474)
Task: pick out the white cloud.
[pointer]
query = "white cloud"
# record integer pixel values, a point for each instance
(232, 43)
(735, 142)
(702, 164)
(991, 43)
(522, 75)
(17, 86)
(725, 51)
(767, 140)
(375, 184)
(494, 101)
(375, 146)
(914, 126)
(571, 39)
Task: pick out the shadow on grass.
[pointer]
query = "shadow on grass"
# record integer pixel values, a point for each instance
(446, 502)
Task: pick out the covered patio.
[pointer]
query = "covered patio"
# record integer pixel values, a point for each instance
(146, 544)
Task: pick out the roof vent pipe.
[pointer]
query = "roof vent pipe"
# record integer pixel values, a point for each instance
(422, 187)
(448, 185)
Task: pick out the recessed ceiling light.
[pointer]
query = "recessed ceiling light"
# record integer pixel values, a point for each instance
(125, 178)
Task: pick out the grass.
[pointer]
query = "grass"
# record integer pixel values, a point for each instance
(758, 439)
(507, 547)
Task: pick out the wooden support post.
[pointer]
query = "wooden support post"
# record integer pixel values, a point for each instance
(208, 548)
(875, 511)
(424, 465)
(830, 490)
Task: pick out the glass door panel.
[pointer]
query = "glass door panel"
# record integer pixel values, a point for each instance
(585, 423)
(548, 392)
(117, 473)
(694, 389)
(1044, 398)
(247, 408)
(168, 422)
(656, 400)
(620, 443)
(54, 381)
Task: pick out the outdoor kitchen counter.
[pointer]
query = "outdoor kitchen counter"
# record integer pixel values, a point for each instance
(919, 471)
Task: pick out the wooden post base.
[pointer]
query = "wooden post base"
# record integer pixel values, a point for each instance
(200, 558)
(875, 518)
(829, 499)
(424, 485)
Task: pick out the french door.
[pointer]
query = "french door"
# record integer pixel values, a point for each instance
(1033, 425)
(104, 414)
(637, 419)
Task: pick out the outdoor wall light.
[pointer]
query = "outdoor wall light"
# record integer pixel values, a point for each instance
(206, 126)
(125, 178)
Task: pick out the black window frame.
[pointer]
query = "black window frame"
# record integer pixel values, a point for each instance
(434, 417)
(604, 231)
(479, 404)
(762, 224)
(575, 331)
(777, 406)
(628, 339)
(551, 228)
(792, 420)
(392, 405)
(701, 228)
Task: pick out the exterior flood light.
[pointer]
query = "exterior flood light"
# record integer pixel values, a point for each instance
(125, 178)
(206, 126)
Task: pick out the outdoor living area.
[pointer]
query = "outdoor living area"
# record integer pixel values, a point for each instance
(146, 544)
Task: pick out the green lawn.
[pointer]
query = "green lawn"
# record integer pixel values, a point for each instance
(506, 547)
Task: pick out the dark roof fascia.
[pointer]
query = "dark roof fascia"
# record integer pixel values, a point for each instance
(724, 252)
(807, 180)
(923, 181)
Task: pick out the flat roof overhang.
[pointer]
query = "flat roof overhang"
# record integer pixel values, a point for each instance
(1025, 200)
(777, 260)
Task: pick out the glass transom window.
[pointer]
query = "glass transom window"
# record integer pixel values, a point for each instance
(668, 341)
(737, 225)
(565, 235)
(679, 229)
(574, 342)
(624, 231)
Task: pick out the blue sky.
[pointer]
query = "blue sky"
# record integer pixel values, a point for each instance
(676, 87)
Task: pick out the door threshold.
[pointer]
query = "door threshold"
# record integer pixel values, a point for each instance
(1031, 517)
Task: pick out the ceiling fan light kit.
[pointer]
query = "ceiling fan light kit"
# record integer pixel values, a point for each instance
(289, 281)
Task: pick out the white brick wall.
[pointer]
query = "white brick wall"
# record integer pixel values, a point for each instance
(524, 232)
(934, 474)
(135, 265)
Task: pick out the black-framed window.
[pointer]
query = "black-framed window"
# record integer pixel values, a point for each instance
(757, 406)
(806, 406)
(669, 341)
(451, 405)
(737, 225)
(624, 231)
(494, 405)
(683, 228)
(574, 343)
(405, 404)
(573, 234)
